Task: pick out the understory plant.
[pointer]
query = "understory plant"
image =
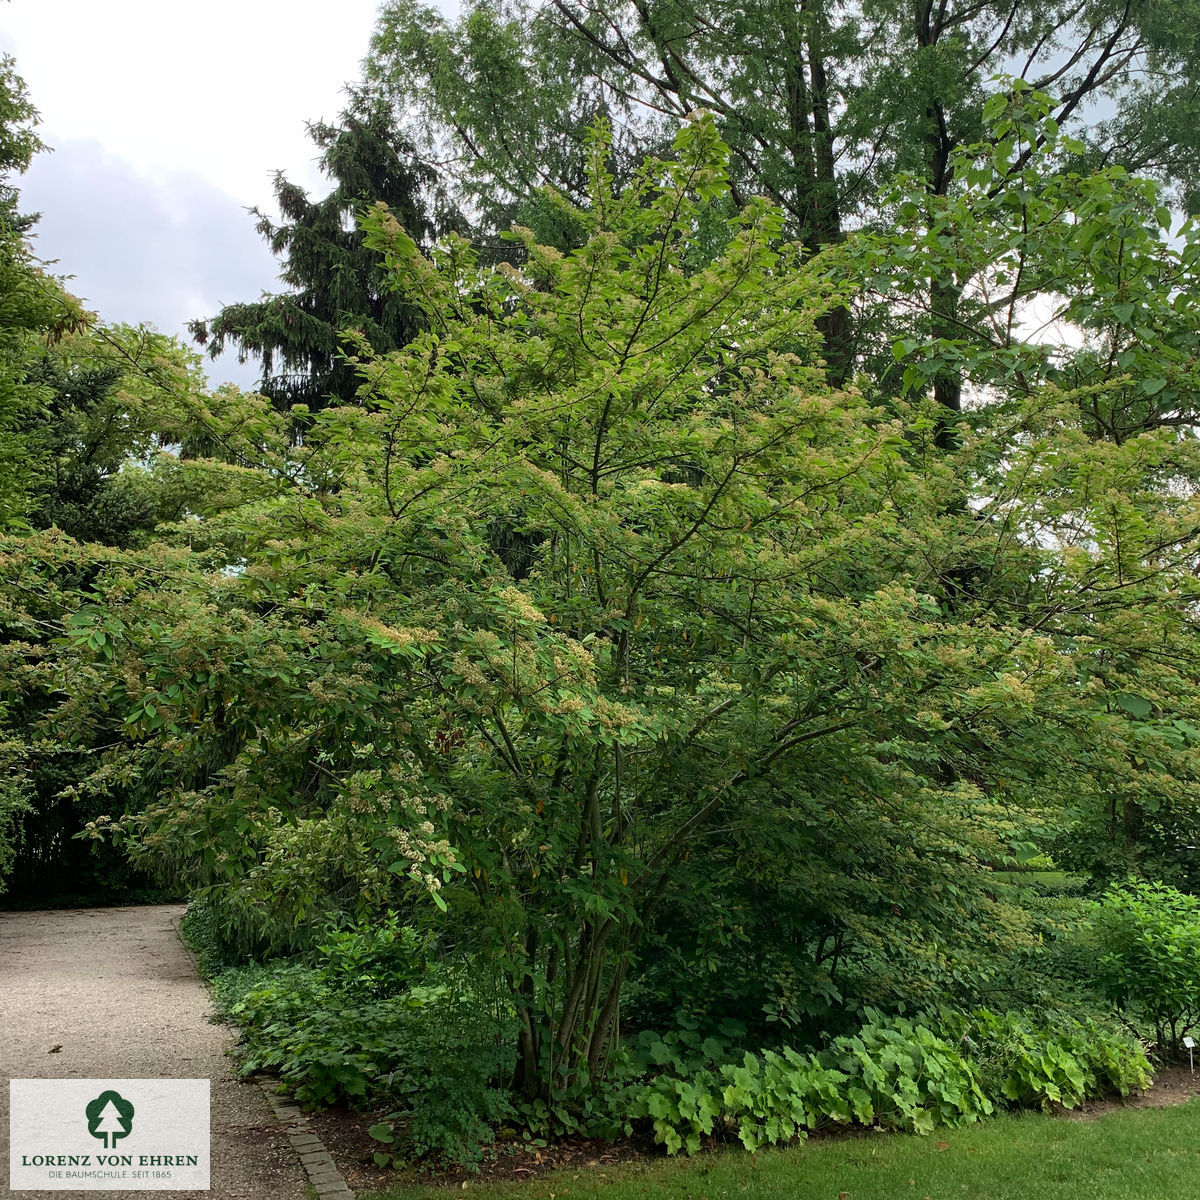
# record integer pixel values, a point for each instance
(1148, 940)
(915, 1074)
(367, 1019)
(430, 1052)
(1057, 1059)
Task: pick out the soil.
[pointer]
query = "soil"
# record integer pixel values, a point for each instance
(1172, 1085)
(345, 1134)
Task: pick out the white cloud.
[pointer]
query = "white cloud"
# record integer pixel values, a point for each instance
(161, 250)
(168, 121)
(222, 89)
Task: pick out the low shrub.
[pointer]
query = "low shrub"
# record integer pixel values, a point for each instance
(323, 1049)
(912, 1074)
(371, 1017)
(369, 962)
(432, 1050)
(1148, 937)
(446, 1080)
(1061, 1060)
(367, 1017)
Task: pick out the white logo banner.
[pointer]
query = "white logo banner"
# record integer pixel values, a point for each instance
(101, 1135)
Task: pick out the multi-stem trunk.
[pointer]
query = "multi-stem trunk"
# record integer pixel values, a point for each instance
(567, 1029)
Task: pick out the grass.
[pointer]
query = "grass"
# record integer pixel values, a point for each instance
(1139, 1154)
(1050, 878)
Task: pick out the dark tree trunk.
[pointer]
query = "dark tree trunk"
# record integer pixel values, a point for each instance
(947, 385)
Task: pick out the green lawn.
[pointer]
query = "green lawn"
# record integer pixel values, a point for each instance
(1057, 878)
(1143, 1154)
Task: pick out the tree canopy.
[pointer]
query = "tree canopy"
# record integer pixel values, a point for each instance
(333, 280)
(749, 616)
(687, 603)
(821, 104)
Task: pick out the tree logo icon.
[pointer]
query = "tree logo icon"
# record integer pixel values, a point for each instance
(109, 1116)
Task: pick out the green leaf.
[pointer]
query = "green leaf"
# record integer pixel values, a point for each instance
(1136, 706)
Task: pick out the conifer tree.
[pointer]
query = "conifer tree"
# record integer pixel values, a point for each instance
(333, 282)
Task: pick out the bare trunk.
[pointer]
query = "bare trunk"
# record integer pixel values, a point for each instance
(947, 385)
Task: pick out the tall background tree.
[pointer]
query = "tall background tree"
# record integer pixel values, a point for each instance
(334, 282)
(820, 102)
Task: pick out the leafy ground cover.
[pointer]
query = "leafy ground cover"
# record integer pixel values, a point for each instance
(1131, 1155)
(366, 1021)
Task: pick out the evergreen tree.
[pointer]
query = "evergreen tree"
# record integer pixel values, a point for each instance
(334, 282)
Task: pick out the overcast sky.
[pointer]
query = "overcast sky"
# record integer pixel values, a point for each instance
(168, 121)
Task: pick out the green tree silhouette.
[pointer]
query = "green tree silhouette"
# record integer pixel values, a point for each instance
(109, 1116)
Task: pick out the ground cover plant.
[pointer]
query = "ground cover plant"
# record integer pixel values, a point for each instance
(364, 1020)
(913, 1074)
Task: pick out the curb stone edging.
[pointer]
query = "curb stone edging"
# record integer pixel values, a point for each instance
(317, 1161)
(315, 1158)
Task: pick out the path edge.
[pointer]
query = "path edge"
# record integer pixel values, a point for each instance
(318, 1163)
(328, 1182)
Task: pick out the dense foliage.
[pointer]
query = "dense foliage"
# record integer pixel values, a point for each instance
(897, 1073)
(337, 1027)
(624, 676)
(552, 620)
(1148, 937)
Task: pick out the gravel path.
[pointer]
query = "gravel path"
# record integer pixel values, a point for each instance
(117, 992)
